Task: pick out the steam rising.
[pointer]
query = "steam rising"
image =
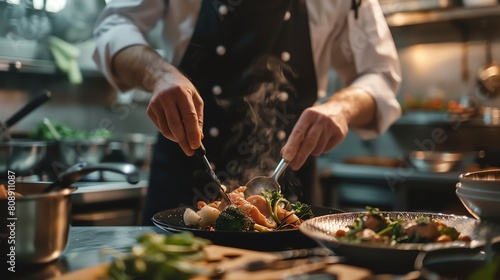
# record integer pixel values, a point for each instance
(259, 137)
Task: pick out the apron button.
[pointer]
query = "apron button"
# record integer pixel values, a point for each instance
(217, 90)
(287, 16)
(214, 132)
(285, 56)
(223, 10)
(283, 96)
(281, 135)
(220, 50)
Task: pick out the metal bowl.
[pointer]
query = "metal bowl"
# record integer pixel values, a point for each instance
(21, 156)
(432, 161)
(72, 151)
(41, 222)
(136, 148)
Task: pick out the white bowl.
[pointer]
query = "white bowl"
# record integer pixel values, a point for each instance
(477, 192)
(486, 180)
(481, 207)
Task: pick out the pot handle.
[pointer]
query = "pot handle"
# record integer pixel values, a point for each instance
(75, 172)
(40, 99)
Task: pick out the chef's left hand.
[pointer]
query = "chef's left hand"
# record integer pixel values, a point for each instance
(317, 131)
(322, 127)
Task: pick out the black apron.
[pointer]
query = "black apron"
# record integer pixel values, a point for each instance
(252, 63)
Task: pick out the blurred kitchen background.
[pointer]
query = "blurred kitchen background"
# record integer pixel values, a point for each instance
(448, 114)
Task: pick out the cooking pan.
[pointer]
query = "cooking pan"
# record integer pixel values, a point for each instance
(39, 221)
(171, 220)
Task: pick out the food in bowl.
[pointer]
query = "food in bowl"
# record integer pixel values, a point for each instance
(268, 211)
(374, 227)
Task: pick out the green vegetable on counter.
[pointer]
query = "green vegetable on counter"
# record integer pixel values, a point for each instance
(66, 132)
(160, 256)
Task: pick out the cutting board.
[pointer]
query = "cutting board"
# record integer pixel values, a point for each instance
(232, 259)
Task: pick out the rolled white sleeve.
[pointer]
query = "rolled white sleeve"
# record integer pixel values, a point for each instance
(120, 25)
(377, 65)
(363, 54)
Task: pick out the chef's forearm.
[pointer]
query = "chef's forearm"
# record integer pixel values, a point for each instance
(140, 66)
(358, 106)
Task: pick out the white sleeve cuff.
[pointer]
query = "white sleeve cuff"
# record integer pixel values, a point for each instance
(108, 44)
(388, 109)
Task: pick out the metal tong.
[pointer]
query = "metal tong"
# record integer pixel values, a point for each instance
(202, 153)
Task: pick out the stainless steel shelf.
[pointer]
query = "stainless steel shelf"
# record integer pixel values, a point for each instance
(430, 16)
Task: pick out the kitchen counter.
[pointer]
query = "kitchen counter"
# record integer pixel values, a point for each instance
(84, 249)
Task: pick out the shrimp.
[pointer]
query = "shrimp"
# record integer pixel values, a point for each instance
(253, 212)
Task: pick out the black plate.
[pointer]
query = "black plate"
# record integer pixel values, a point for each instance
(171, 220)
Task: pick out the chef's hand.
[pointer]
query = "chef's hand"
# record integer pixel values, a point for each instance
(176, 108)
(322, 127)
(317, 131)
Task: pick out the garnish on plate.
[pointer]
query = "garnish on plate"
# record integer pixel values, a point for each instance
(373, 226)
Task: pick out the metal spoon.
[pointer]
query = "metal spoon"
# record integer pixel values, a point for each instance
(258, 184)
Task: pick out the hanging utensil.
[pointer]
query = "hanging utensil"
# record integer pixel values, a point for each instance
(202, 152)
(489, 75)
(34, 103)
(258, 184)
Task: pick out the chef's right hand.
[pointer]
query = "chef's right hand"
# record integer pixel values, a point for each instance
(176, 108)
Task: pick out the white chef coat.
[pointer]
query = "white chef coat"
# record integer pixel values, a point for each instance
(360, 50)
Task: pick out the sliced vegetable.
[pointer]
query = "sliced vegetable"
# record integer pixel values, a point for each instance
(159, 256)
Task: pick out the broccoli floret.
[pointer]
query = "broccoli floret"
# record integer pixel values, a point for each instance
(234, 219)
(302, 210)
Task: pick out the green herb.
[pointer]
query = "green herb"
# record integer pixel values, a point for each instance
(275, 199)
(450, 231)
(66, 132)
(159, 256)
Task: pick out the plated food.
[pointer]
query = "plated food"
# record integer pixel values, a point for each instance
(269, 211)
(387, 257)
(374, 226)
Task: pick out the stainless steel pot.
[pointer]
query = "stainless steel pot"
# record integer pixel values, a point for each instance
(38, 222)
(23, 157)
(72, 151)
(41, 226)
(135, 148)
(435, 161)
